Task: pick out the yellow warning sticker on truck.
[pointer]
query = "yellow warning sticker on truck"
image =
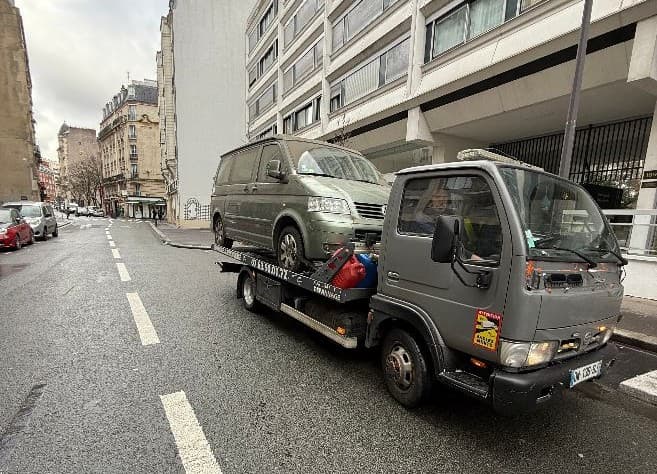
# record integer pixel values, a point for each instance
(487, 329)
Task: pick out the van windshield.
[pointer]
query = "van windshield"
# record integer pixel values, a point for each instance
(559, 218)
(317, 160)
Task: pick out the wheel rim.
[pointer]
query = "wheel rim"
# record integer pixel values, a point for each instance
(399, 367)
(247, 291)
(288, 251)
(18, 242)
(219, 232)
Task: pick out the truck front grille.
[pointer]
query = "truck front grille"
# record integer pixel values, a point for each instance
(369, 211)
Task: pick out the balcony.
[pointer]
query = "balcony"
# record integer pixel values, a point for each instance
(133, 156)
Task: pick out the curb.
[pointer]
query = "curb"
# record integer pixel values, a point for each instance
(165, 241)
(643, 387)
(635, 339)
(64, 224)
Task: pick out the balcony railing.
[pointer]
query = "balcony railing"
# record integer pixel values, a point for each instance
(133, 156)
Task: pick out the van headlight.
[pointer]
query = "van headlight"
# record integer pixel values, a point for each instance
(526, 354)
(330, 205)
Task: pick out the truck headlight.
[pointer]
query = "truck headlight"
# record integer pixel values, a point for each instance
(330, 205)
(526, 354)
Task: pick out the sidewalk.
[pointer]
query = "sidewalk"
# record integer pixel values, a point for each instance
(638, 327)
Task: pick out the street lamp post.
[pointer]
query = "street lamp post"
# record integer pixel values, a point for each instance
(573, 106)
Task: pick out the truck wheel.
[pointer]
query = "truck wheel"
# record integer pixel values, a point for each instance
(249, 293)
(220, 234)
(290, 250)
(405, 368)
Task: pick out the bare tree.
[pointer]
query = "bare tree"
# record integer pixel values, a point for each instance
(85, 179)
(342, 137)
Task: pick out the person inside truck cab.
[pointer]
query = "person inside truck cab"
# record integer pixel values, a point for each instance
(481, 233)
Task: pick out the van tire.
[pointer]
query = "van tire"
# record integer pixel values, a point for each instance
(405, 368)
(55, 232)
(289, 249)
(220, 238)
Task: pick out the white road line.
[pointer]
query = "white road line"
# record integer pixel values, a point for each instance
(115, 253)
(193, 447)
(112, 244)
(643, 387)
(109, 237)
(146, 330)
(123, 272)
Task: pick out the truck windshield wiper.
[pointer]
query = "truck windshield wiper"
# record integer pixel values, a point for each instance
(317, 174)
(592, 263)
(622, 260)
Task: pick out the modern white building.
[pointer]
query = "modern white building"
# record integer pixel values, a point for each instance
(409, 82)
(208, 84)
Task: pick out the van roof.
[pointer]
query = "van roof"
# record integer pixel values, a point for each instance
(294, 138)
(25, 203)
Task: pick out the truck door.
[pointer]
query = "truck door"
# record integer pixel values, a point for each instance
(239, 206)
(409, 274)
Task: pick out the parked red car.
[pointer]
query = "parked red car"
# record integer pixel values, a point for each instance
(14, 231)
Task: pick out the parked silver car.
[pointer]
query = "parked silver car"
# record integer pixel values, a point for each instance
(301, 198)
(39, 215)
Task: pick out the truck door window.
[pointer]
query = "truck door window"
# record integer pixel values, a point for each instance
(468, 197)
(269, 152)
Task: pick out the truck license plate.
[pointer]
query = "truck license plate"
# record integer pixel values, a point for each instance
(585, 373)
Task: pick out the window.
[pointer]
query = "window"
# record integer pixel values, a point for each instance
(137, 189)
(358, 17)
(132, 131)
(133, 151)
(253, 75)
(304, 116)
(131, 92)
(242, 166)
(268, 59)
(133, 170)
(382, 70)
(132, 112)
(308, 62)
(224, 169)
(269, 152)
(263, 102)
(266, 20)
(467, 197)
(268, 132)
(300, 20)
(469, 20)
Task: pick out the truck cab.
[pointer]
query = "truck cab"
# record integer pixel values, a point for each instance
(496, 278)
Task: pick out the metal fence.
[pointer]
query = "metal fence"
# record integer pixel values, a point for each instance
(627, 223)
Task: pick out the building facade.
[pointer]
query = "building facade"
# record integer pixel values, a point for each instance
(48, 177)
(75, 145)
(19, 155)
(209, 91)
(166, 112)
(409, 82)
(133, 185)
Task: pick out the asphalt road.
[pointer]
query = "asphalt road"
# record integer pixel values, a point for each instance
(79, 392)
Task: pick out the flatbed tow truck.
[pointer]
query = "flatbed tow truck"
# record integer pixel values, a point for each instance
(494, 278)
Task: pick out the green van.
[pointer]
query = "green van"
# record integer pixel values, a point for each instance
(301, 198)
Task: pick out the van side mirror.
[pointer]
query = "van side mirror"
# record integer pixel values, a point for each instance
(445, 239)
(274, 169)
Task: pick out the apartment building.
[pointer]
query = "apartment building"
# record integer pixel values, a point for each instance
(48, 176)
(75, 145)
(410, 82)
(167, 112)
(19, 155)
(129, 139)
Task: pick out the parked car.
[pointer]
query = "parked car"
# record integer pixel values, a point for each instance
(301, 198)
(39, 215)
(82, 211)
(14, 231)
(95, 211)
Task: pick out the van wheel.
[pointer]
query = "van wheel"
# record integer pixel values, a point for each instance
(405, 368)
(55, 232)
(249, 293)
(220, 238)
(290, 250)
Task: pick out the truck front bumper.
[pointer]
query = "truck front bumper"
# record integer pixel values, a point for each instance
(521, 392)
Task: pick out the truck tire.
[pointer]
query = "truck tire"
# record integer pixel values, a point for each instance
(248, 290)
(289, 249)
(220, 238)
(405, 368)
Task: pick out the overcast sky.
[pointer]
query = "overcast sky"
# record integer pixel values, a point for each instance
(80, 52)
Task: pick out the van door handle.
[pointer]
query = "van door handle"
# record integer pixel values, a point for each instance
(246, 188)
(393, 276)
(254, 188)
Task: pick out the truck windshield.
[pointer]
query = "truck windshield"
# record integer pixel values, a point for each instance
(317, 160)
(559, 218)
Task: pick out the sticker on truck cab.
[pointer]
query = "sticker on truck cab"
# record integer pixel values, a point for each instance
(487, 329)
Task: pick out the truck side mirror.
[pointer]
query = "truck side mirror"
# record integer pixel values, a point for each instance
(274, 169)
(445, 239)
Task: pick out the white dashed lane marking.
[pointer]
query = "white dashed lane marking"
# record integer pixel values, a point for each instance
(193, 447)
(145, 327)
(123, 272)
(115, 253)
(112, 244)
(109, 237)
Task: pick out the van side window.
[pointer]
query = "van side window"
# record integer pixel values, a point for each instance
(469, 197)
(242, 167)
(269, 152)
(224, 170)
